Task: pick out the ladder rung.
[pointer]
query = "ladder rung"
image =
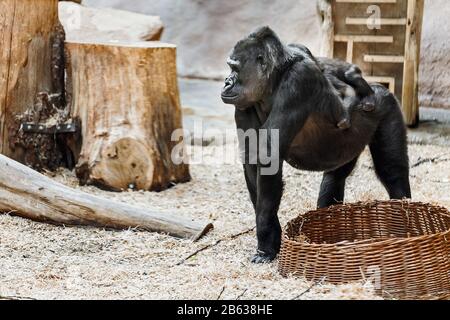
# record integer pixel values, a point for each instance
(383, 58)
(366, 1)
(362, 38)
(381, 21)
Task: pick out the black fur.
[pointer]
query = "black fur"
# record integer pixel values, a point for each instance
(347, 79)
(272, 88)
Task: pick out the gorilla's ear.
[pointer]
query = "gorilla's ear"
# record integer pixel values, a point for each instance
(264, 33)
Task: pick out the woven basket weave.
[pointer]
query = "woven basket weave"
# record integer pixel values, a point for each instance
(402, 247)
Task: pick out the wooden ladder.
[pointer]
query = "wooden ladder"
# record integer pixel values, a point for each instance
(383, 38)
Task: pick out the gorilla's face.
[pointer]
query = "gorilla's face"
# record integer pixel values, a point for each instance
(248, 82)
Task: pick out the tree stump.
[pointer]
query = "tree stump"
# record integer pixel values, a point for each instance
(28, 33)
(126, 98)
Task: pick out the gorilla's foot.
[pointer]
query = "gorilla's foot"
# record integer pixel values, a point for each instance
(263, 258)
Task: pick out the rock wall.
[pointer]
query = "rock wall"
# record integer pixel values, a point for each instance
(83, 23)
(435, 58)
(205, 31)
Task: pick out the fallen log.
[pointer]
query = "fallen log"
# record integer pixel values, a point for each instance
(29, 194)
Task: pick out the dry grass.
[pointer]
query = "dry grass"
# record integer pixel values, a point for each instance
(44, 261)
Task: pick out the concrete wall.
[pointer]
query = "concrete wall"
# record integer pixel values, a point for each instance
(205, 31)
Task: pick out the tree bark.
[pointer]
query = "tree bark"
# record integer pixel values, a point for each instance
(27, 193)
(324, 8)
(27, 34)
(126, 98)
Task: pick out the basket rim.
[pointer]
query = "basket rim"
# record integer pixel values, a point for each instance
(367, 243)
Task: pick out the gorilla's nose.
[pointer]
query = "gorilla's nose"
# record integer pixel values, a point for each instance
(228, 82)
(228, 85)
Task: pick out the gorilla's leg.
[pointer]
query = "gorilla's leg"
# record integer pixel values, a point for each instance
(355, 79)
(333, 185)
(390, 153)
(250, 172)
(363, 89)
(268, 228)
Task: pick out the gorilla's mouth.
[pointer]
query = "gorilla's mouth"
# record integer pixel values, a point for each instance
(229, 99)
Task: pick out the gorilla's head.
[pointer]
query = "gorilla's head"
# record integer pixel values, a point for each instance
(253, 62)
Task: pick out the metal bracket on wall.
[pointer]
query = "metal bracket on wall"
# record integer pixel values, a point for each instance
(40, 128)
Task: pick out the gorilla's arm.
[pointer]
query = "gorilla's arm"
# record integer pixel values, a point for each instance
(247, 120)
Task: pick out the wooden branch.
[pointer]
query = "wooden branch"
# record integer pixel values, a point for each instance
(29, 194)
(239, 297)
(204, 248)
(435, 160)
(16, 298)
(315, 284)
(221, 293)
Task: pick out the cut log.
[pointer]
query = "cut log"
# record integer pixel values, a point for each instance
(126, 98)
(27, 193)
(91, 24)
(27, 35)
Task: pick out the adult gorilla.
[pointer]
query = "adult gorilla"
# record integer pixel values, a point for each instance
(274, 87)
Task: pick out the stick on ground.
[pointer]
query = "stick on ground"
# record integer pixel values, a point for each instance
(215, 244)
(221, 293)
(434, 160)
(315, 284)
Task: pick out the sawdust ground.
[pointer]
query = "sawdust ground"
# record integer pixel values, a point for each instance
(50, 262)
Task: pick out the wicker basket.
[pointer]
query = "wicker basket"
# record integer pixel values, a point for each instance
(402, 247)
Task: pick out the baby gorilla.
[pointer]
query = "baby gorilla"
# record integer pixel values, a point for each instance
(347, 80)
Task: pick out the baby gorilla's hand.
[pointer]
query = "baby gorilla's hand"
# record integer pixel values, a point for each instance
(368, 104)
